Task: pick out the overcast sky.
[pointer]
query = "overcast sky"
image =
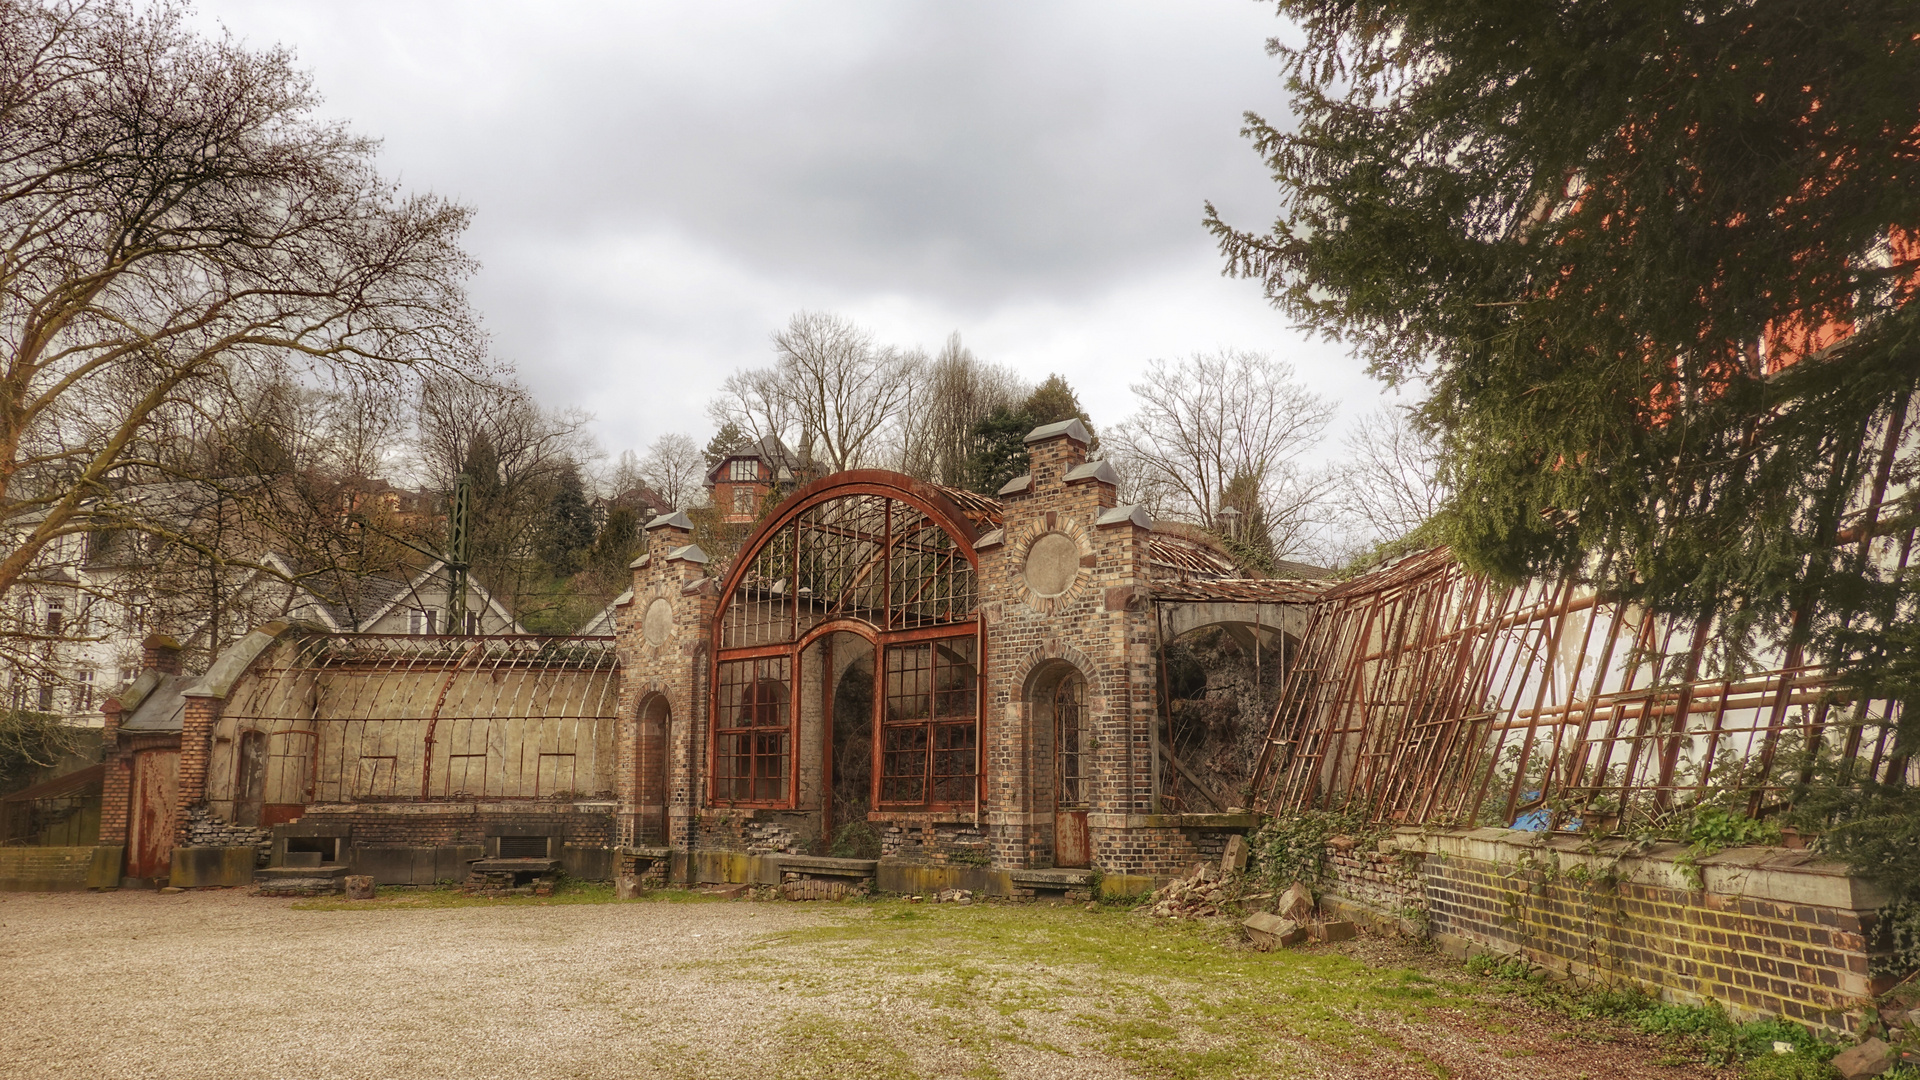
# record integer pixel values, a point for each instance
(659, 185)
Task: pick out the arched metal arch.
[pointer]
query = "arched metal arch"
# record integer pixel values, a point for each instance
(926, 498)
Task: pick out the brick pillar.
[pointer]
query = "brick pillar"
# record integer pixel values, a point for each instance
(196, 746)
(117, 784)
(161, 653)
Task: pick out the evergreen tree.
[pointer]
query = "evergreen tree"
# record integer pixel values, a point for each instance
(729, 438)
(569, 526)
(1001, 451)
(1656, 261)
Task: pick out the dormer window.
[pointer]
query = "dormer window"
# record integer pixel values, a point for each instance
(743, 469)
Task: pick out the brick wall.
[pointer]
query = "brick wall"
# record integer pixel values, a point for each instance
(33, 868)
(1763, 931)
(673, 670)
(936, 843)
(196, 747)
(116, 785)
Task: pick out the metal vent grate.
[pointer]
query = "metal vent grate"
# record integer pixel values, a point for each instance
(523, 847)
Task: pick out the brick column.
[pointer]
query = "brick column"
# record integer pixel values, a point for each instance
(161, 653)
(117, 784)
(196, 747)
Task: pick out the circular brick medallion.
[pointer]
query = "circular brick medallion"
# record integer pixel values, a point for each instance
(1053, 561)
(658, 621)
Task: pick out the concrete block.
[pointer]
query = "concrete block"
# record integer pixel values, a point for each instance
(103, 871)
(585, 862)
(386, 864)
(1234, 859)
(627, 887)
(1332, 931)
(1269, 932)
(209, 867)
(1870, 1058)
(359, 887)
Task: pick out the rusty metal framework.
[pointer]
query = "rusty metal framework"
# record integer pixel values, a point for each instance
(875, 558)
(384, 718)
(1422, 693)
(894, 565)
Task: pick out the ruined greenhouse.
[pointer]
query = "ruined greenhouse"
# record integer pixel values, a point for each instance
(909, 688)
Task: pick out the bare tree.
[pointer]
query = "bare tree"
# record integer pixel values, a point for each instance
(674, 468)
(832, 395)
(515, 454)
(1391, 482)
(172, 217)
(958, 391)
(1212, 418)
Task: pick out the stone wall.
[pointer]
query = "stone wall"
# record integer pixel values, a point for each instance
(201, 827)
(1762, 931)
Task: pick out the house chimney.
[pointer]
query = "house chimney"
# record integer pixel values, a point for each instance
(160, 653)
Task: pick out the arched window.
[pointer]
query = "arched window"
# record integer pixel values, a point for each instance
(887, 553)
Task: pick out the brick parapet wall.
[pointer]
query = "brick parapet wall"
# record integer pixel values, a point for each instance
(1764, 932)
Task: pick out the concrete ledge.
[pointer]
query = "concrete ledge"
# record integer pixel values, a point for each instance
(1051, 879)
(1776, 874)
(1204, 822)
(212, 867)
(819, 866)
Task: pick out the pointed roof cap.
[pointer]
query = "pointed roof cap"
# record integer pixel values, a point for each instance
(1072, 428)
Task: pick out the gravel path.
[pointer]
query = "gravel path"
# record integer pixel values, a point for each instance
(222, 985)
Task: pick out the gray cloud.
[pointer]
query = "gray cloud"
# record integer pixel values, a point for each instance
(660, 184)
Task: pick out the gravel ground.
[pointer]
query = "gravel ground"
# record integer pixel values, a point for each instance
(219, 984)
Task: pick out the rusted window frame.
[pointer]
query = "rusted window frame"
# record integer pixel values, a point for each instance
(933, 507)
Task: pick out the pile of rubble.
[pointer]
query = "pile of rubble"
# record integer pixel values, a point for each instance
(1204, 893)
(1294, 919)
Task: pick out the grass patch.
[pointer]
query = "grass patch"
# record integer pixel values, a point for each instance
(1181, 1000)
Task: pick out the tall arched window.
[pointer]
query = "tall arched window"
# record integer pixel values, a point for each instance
(895, 557)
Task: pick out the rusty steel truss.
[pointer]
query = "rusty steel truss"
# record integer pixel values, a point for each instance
(1424, 694)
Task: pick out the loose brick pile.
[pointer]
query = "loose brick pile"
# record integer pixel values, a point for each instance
(1202, 894)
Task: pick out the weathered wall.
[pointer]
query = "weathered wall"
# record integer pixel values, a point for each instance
(37, 868)
(1763, 931)
(1101, 626)
(663, 644)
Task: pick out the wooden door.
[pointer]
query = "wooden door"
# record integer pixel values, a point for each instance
(1071, 846)
(154, 813)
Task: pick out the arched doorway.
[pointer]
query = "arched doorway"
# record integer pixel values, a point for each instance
(651, 786)
(1059, 701)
